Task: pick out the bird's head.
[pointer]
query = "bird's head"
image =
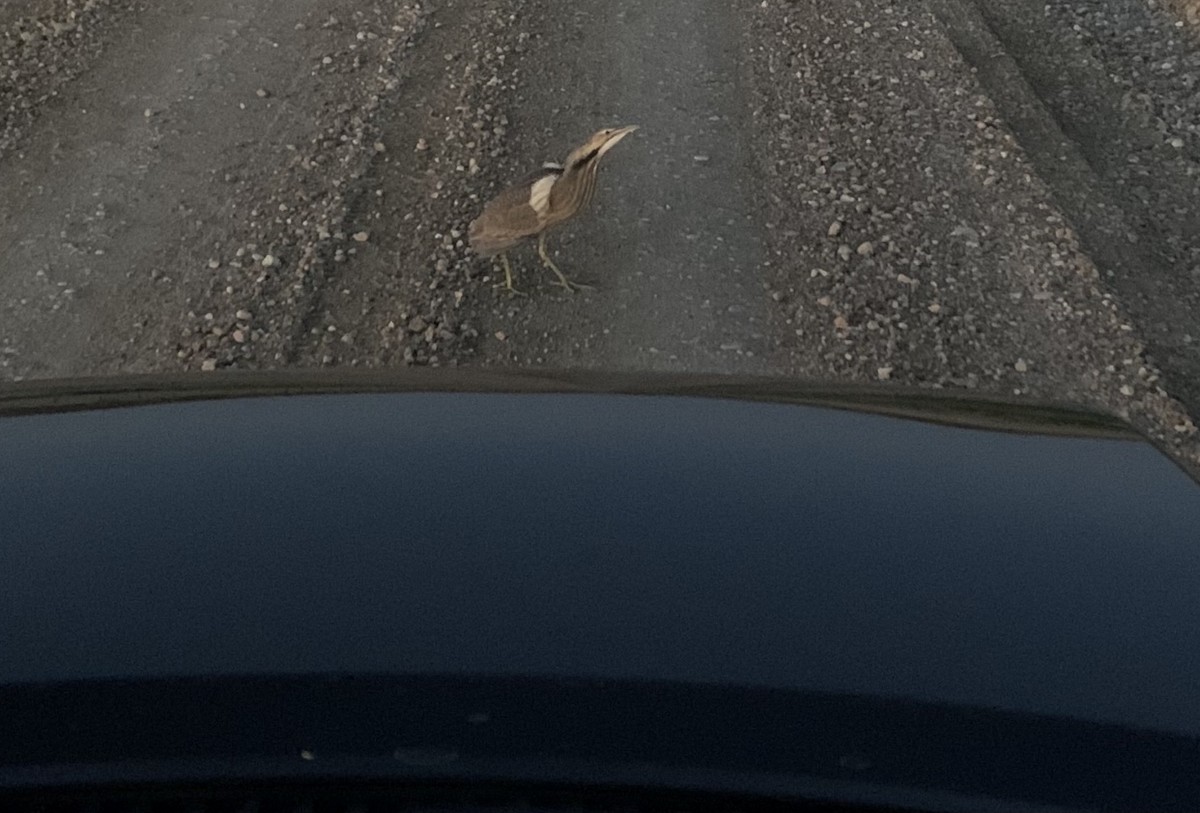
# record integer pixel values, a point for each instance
(594, 148)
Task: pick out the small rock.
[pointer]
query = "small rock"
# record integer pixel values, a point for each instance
(208, 365)
(884, 373)
(866, 249)
(239, 336)
(841, 323)
(262, 93)
(417, 325)
(845, 253)
(422, 145)
(501, 335)
(269, 261)
(966, 232)
(244, 316)
(835, 228)
(214, 264)
(1126, 390)
(362, 236)
(1021, 366)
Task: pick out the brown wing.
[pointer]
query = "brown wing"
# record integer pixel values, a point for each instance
(510, 217)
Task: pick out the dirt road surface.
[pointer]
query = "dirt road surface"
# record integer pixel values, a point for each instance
(998, 197)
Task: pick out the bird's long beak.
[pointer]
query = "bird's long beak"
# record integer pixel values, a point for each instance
(621, 133)
(616, 136)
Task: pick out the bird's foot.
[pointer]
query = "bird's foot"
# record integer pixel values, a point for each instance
(508, 286)
(563, 281)
(572, 286)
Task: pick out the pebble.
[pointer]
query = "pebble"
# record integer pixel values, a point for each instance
(835, 229)
(884, 373)
(269, 261)
(866, 249)
(1021, 366)
(362, 236)
(208, 365)
(244, 316)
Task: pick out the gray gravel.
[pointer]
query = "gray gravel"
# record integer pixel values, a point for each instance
(977, 279)
(44, 45)
(996, 197)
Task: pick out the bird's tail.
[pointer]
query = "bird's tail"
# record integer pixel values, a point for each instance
(481, 243)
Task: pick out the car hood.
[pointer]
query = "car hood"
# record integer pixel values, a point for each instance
(673, 531)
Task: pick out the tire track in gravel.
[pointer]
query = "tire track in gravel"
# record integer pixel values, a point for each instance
(1120, 173)
(935, 255)
(130, 237)
(44, 45)
(406, 293)
(100, 194)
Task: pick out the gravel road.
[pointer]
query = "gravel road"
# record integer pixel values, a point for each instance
(995, 196)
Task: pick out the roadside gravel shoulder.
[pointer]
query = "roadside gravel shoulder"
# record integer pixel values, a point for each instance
(912, 239)
(45, 44)
(182, 206)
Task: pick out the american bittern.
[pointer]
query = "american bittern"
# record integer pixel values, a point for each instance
(552, 195)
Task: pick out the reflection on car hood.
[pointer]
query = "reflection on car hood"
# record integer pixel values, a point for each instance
(938, 406)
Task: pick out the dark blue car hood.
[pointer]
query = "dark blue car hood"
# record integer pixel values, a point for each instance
(768, 540)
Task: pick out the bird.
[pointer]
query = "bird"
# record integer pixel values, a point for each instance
(540, 201)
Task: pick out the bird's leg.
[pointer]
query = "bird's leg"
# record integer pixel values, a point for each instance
(508, 279)
(562, 278)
